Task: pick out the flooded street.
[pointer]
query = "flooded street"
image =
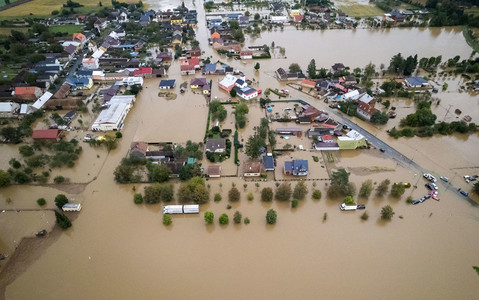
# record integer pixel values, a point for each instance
(119, 250)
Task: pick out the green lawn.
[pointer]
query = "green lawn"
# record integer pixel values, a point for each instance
(71, 29)
(7, 30)
(6, 72)
(356, 10)
(2, 2)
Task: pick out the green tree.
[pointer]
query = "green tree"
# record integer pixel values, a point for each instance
(340, 184)
(62, 221)
(61, 200)
(366, 189)
(257, 66)
(189, 171)
(241, 109)
(294, 68)
(365, 216)
(138, 199)
(4, 178)
(387, 212)
(233, 93)
(217, 197)
(237, 217)
(283, 192)
(234, 194)
(312, 69)
(317, 194)
(271, 216)
(379, 117)
(257, 17)
(26, 150)
(167, 220)
(397, 190)
(167, 194)
(224, 220)
(300, 191)
(110, 142)
(267, 194)
(59, 179)
(253, 146)
(209, 217)
(476, 187)
(41, 201)
(348, 200)
(382, 188)
(159, 173)
(153, 194)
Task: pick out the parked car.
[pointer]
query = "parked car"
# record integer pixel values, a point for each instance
(445, 179)
(429, 186)
(416, 202)
(464, 193)
(382, 150)
(361, 206)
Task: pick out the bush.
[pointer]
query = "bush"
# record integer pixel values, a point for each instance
(294, 203)
(26, 151)
(365, 216)
(397, 190)
(382, 188)
(224, 220)
(61, 200)
(62, 221)
(300, 191)
(234, 195)
(366, 189)
(348, 200)
(138, 199)
(267, 194)
(283, 192)
(250, 196)
(387, 212)
(409, 200)
(217, 197)
(59, 179)
(246, 221)
(167, 220)
(118, 135)
(209, 217)
(237, 217)
(41, 201)
(316, 194)
(271, 216)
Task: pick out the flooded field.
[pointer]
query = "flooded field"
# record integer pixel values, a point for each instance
(119, 250)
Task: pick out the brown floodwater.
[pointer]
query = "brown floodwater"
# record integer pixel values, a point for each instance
(119, 250)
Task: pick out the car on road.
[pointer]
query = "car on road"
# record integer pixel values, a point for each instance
(416, 202)
(444, 178)
(464, 193)
(361, 206)
(382, 149)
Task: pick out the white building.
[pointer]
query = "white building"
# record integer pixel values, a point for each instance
(42, 100)
(279, 19)
(133, 81)
(91, 63)
(246, 93)
(113, 117)
(9, 109)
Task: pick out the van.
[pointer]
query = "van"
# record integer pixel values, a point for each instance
(348, 207)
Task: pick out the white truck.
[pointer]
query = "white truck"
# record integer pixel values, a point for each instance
(348, 207)
(181, 209)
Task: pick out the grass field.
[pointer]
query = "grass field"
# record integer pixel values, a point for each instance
(2, 2)
(7, 73)
(361, 10)
(7, 30)
(71, 29)
(43, 8)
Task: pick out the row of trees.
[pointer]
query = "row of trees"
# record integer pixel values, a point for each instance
(209, 217)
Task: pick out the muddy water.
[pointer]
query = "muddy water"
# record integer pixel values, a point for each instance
(118, 250)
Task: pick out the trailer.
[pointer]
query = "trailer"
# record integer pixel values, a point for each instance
(71, 207)
(181, 209)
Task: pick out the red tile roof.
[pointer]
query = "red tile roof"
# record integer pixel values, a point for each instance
(187, 68)
(25, 90)
(46, 134)
(142, 71)
(366, 108)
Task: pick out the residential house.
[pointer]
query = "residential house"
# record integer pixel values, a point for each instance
(298, 18)
(253, 169)
(79, 37)
(268, 162)
(82, 83)
(196, 83)
(281, 74)
(206, 89)
(246, 93)
(27, 93)
(129, 81)
(394, 17)
(46, 135)
(143, 72)
(352, 140)
(160, 72)
(138, 149)
(69, 52)
(228, 82)
(416, 82)
(195, 53)
(90, 63)
(164, 57)
(42, 100)
(325, 146)
(306, 83)
(315, 132)
(296, 167)
(243, 21)
(187, 70)
(295, 12)
(113, 117)
(215, 145)
(176, 20)
(365, 110)
(246, 54)
(100, 24)
(214, 171)
(167, 84)
(62, 92)
(84, 73)
(209, 69)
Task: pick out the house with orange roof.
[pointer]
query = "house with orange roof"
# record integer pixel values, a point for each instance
(79, 37)
(365, 110)
(27, 93)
